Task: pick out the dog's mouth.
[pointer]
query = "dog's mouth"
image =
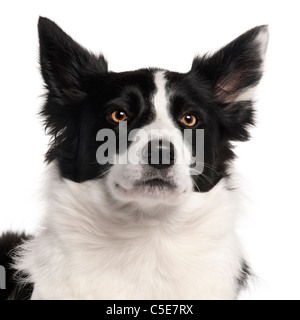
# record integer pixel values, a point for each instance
(150, 187)
(156, 183)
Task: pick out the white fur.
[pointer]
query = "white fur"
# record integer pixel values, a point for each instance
(97, 242)
(125, 175)
(90, 247)
(262, 39)
(163, 118)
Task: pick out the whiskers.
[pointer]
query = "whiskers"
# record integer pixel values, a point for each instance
(100, 176)
(195, 184)
(103, 173)
(207, 166)
(201, 175)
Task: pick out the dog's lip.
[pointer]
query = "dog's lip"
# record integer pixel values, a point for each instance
(148, 186)
(156, 182)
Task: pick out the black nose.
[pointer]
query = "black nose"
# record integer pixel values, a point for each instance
(159, 154)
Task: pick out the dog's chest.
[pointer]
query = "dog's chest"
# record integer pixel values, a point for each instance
(156, 266)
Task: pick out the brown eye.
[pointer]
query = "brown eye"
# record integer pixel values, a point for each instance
(189, 120)
(118, 116)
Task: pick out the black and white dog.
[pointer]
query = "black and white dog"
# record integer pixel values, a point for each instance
(139, 230)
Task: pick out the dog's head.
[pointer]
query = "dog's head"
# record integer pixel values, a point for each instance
(150, 135)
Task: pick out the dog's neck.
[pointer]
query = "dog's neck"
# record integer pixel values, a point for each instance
(84, 229)
(90, 202)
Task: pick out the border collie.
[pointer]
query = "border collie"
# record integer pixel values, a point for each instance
(157, 229)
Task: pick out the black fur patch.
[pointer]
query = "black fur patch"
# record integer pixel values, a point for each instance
(245, 273)
(81, 93)
(8, 242)
(209, 91)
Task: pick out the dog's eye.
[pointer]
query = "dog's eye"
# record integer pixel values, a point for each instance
(189, 120)
(118, 116)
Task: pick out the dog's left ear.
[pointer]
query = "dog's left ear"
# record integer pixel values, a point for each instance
(233, 72)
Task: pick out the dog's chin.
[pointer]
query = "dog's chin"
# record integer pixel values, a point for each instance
(150, 192)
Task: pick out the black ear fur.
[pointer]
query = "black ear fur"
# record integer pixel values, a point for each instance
(64, 63)
(233, 72)
(69, 72)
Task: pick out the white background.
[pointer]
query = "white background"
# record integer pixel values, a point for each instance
(167, 34)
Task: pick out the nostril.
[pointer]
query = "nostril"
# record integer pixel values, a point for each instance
(167, 154)
(159, 154)
(172, 152)
(154, 152)
(145, 152)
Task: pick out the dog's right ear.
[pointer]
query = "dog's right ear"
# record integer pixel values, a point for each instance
(65, 65)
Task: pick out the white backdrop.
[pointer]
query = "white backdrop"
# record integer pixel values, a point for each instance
(167, 34)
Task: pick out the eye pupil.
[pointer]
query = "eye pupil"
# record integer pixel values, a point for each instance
(189, 120)
(118, 116)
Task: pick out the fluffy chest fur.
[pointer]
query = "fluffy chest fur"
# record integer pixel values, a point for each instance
(185, 252)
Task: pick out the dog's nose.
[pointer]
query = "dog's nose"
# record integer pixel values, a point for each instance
(159, 154)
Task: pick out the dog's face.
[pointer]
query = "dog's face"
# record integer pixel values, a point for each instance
(138, 132)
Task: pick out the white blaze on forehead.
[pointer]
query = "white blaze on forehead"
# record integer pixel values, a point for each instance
(164, 126)
(161, 102)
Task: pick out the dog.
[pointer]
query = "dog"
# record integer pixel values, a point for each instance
(155, 227)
